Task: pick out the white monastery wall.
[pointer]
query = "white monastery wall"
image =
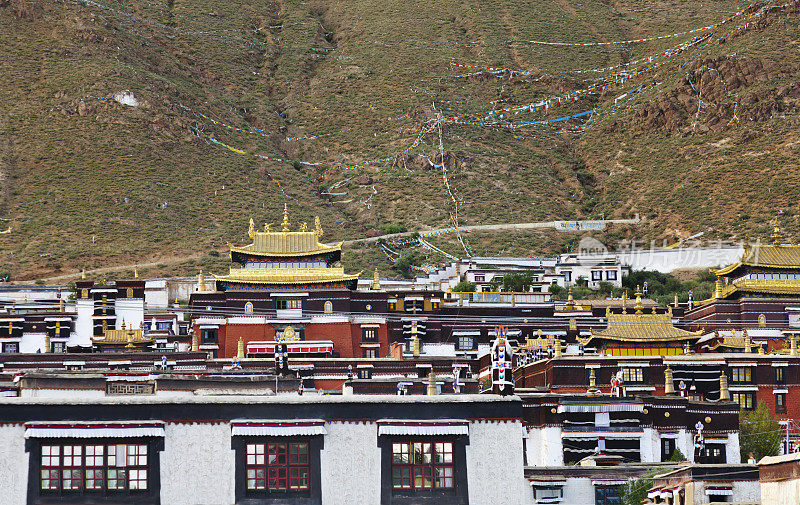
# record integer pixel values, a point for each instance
(786, 492)
(13, 465)
(350, 464)
(494, 464)
(197, 465)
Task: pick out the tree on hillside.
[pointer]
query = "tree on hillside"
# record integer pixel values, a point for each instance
(759, 433)
(517, 282)
(464, 287)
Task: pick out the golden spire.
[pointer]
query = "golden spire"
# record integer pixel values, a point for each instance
(376, 280)
(285, 224)
(135, 273)
(251, 232)
(675, 303)
(558, 346)
(201, 281)
(625, 301)
(748, 346)
(570, 301)
(718, 287)
(724, 392)
(83, 274)
(240, 348)
(669, 384)
(638, 305)
(777, 238)
(593, 390)
(317, 227)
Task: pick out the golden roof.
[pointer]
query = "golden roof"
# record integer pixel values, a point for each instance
(643, 328)
(766, 255)
(287, 275)
(772, 286)
(286, 242)
(126, 336)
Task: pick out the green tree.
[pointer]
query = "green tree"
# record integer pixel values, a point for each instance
(464, 287)
(517, 282)
(635, 491)
(556, 290)
(407, 260)
(759, 433)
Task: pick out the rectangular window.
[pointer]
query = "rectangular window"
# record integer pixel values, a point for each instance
(422, 465)
(667, 448)
(742, 375)
(780, 403)
(277, 467)
(289, 303)
(480, 278)
(370, 352)
(780, 375)
(632, 375)
(465, 343)
(713, 454)
(369, 335)
(567, 277)
(208, 336)
(611, 275)
(746, 401)
(597, 275)
(79, 467)
(607, 495)
(12, 347)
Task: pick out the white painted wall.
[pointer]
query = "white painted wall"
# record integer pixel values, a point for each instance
(350, 464)
(578, 491)
(32, 342)
(438, 349)
(129, 310)
(544, 447)
(84, 325)
(197, 465)
(494, 464)
(13, 465)
(786, 492)
(732, 454)
(650, 446)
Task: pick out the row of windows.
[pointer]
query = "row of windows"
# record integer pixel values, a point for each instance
(95, 467)
(745, 375)
(597, 275)
(288, 303)
(747, 401)
(270, 466)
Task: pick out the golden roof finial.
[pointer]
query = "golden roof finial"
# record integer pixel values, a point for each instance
(625, 301)
(285, 224)
(267, 227)
(777, 238)
(135, 273)
(570, 301)
(304, 227)
(376, 280)
(201, 281)
(83, 273)
(251, 232)
(638, 305)
(317, 227)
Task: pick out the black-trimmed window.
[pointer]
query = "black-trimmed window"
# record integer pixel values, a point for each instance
(746, 400)
(369, 352)
(712, 454)
(289, 303)
(611, 275)
(278, 470)
(606, 495)
(209, 336)
(422, 465)
(369, 334)
(423, 469)
(667, 448)
(98, 470)
(780, 403)
(633, 375)
(597, 275)
(11, 347)
(742, 375)
(465, 343)
(780, 375)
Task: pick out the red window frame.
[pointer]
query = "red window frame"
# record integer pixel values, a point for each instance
(422, 465)
(275, 467)
(79, 467)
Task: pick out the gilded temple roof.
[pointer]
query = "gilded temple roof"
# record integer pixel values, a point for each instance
(285, 242)
(774, 255)
(127, 336)
(643, 328)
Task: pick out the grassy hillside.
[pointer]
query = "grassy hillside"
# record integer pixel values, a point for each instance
(340, 91)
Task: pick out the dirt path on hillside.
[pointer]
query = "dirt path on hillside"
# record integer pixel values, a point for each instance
(485, 227)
